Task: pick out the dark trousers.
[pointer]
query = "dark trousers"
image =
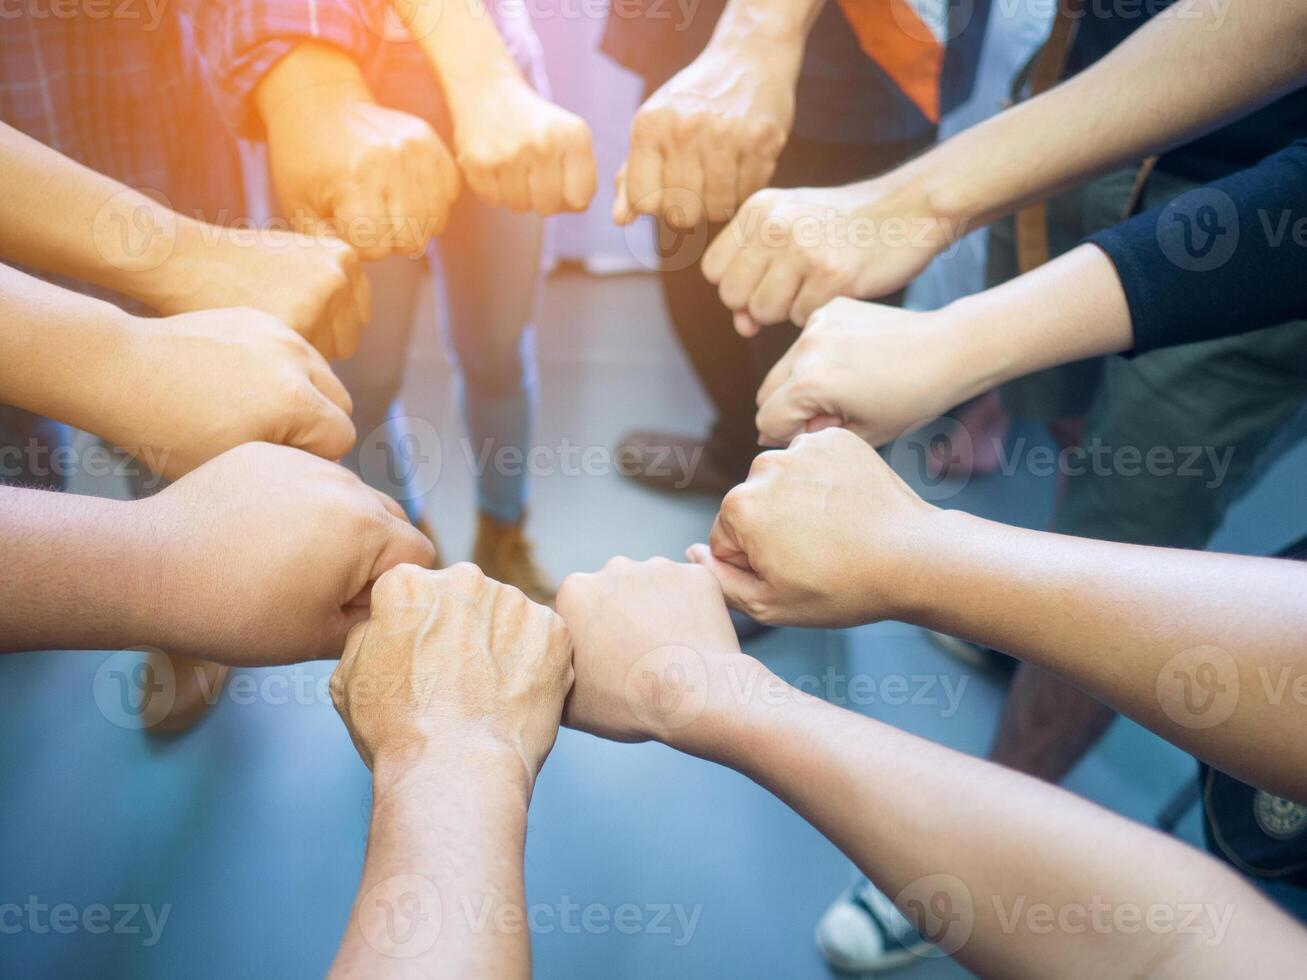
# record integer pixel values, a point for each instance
(729, 367)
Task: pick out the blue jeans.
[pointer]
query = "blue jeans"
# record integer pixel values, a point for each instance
(487, 276)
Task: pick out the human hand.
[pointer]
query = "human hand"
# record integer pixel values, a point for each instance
(265, 555)
(453, 656)
(178, 391)
(788, 252)
(821, 534)
(710, 136)
(378, 178)
(313, 284)
(520, 151)
(875, 370)
(640, 672)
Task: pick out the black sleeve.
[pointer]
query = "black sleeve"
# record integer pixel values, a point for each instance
(1222, 259)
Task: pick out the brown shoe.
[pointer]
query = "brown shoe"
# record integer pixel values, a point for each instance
(675, 463)
(194, 687)
(504, 554)
(429, 533)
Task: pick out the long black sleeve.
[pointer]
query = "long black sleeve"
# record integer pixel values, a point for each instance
(1222, 259)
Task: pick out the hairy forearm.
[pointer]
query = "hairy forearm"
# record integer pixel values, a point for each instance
(969, 841)
(76, 572)
(1188, 71)
(442, 892)
(1204, 649)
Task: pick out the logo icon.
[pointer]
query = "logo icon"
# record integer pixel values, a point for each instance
(1199, 688)
(402, 457)
(667, 688)
(676, 248)
(1199, 230)
(400, 917)
(133, 689)
(132, 236)
(930, 454)
(397, 23)
(940, 907)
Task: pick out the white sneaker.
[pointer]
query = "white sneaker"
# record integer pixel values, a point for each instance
(863, 932)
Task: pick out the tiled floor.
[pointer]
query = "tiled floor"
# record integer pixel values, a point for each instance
(249, 831)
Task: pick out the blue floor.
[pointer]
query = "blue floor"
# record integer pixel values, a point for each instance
(248, 833)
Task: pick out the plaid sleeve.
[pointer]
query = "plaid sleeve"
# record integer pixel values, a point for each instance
(240, 41)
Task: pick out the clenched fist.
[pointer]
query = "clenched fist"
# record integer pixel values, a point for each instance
(821, 534)
(876, 370)
(265, 555)
(711, 135)
(788, 252)
(520, 151)
(180, 390)
(653, 648)
(456, 657)
(378, 178)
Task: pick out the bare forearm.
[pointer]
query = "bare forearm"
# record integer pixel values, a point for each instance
(463, 46)
(442, 892)
(1185, 73)
(1205, 649)
(75, 572)
(987, 857)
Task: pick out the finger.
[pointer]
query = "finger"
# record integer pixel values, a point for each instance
(403, 544)
(483, 182)
(429, 196)
(622, 213)
(344, 326)
(772, 300)
(393, 507)
(745, 325)
(725, 547)
(580, 172)
(545, 184)
(406, 209)
(644, 176)
(744, 276)
(325, 380)
(741, 589)
(325, 430)
(361, 292)
(820, 423)
(721, 253)
(682, 193)
(784, 415)
(754, 173)
(814, 294)
(779, 374)
(513, 189)
(323, 338)
(361, 215)
(719, 165)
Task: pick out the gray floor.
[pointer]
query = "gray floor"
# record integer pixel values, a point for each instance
(249, 831)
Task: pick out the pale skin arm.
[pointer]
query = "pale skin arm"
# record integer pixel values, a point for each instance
(968, 849)
(1204, 649)
(1184, 73)
(447, 834)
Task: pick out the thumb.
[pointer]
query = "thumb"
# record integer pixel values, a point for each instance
(741, 588)
(622, 213)
(323, 429)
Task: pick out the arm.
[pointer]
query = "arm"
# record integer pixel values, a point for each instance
(969, 849)
(483, 675)
(515, 148)
(161, 389)
(228, 564)
(1203, 649)
(65, 219)
(881, 371)
(711, 135)
(1176, 78)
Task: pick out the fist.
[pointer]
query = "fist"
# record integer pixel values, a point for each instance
(204, 383)
(453, 655)
(378, 178)
(876, 370)
(519, 151)
(789, 252)
(710, 136)
(652, 643)
(315, 285)
(265, 556)
(821, 534)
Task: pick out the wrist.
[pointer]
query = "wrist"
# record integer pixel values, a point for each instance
(977, 350)
(734, 684)
(312, 79)
(928, 549)
(778, 28)
(467, 757)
